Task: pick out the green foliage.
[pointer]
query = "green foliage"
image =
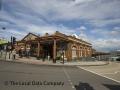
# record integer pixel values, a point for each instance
(58, 58)
(3, 41)
(38, 58)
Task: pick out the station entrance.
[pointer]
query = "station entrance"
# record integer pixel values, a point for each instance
(47, 51)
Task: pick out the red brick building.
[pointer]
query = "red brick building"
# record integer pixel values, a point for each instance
(55, 44)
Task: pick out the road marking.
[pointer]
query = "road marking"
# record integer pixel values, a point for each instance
(68, 77)
(116, 72)
(98, 74)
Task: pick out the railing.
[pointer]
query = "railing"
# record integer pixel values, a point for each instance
(90, 59)
(4, 55)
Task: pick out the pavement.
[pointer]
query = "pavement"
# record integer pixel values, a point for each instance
(33, 60)
(60, 63)
(20, 76)
(111, 71)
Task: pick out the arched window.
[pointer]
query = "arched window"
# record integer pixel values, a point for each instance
(74, 50)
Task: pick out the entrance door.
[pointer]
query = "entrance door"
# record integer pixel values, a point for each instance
(33, 49)
(47, 51)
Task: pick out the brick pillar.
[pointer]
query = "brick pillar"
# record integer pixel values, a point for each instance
(80, 51)
(85, 51)
(54, 51)
(25, 47)
(90, 51)
(38, 52)
(69, 55)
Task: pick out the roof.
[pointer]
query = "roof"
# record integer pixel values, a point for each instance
(101, 53)
(30, 34)
(59, 35)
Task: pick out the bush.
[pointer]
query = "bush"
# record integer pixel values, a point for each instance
(74, 58)
(38, 58)
(58, 58)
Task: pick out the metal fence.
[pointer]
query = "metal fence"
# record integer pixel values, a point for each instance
(99, 58)
(4, 55)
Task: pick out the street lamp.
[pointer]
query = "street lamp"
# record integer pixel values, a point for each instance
(3, 28)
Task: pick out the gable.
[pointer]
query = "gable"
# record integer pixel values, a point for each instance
(30, 36)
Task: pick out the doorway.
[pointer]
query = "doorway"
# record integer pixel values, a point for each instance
(47, 51)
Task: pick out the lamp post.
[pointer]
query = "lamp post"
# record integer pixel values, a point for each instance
(62, 52)
(63, 56)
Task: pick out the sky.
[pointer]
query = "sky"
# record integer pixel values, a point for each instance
(95, 21)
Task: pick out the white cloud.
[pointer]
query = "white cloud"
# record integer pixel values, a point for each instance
(75, 35)
(82, 1)
(106, 44)
(16, 33)
(96, 12)
(37, 16)
(103, 22)
(116, 28)
(107, 33)
(49, 29)
(82, 35)
(82, 28)
(68, 10)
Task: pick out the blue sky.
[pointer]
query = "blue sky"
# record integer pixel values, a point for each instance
(96, 21)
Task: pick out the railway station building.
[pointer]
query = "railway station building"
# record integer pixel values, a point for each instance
(55, 46)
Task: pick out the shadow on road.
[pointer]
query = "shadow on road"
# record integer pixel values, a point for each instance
(83, 86)
(112, 87)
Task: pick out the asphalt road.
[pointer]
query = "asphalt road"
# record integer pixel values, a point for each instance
(19, 76)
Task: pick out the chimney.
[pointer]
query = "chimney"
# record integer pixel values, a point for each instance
(46, 34)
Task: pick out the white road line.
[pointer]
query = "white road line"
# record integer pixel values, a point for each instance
(108, 73)
(98, 74)
(116, 72)
(68, 77)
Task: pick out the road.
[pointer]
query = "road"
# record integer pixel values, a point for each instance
(19, 76)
